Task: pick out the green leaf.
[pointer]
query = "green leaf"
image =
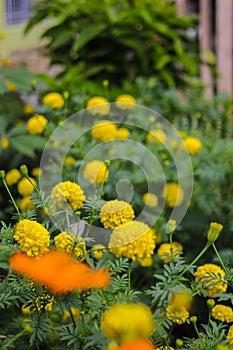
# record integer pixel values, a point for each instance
(27, 144)
(89, 33)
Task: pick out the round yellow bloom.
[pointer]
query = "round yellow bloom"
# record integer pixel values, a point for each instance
(167, 250)
(5, 142)
(26, 204)
(70, 161)
(13, 176)
(174, 194)
(128, 321)
(32, 237)
(10, 86)
(135, 240)
(122, 133)
(98, 250)
(177, 314)
(95, 172)
(205, 277)
(230, 335)
(98, 105)
(158, 136)
(104, 130)
(6, 62)
(36, 172)
(125, 101)
(222, 313)
(36, 124)
(25, 187)
(115, 213)
(75, 312)
(66, 243)
(150, 199)
(28, 109)
(146, 262)
(70, 192)
(192, 144)
(53, 100)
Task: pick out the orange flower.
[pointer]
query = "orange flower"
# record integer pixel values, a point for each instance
(139, 344)
(59, 272)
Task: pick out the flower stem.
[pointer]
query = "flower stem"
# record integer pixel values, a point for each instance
(219, 257)
(71, 313)
(12, 340)
(11, 197)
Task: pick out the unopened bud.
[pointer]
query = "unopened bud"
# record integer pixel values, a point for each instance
(171, 225)
(24, 169)
(214, 231)
(210, 303)
(2, 174)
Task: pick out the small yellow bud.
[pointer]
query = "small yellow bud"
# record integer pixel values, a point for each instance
(179, 342)
(107, 163)
(24, 169)
(66, 95)
(171, 225)
(210, 303)
(214, 231)
(2, 174)
(193, 319)
(105, 83)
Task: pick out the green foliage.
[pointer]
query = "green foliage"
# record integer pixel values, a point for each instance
(119, 41)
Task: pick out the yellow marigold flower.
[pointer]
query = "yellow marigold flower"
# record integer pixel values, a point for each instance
(205, 277)
(53, 100)
(146, 262)
(127, 321)
(167, 250)
(98, 250)
(13, 176)
(158, 136)
(115, 213)
(98, 105)
(182, 297)
(230, 335)
(25, 187)
(174, 194)
(177, 314)
(26, 204)
(135, 240)
(150, 199)
(5, 142)
(70, 192)
(122, 133)
(75, 312)
(10, 86)
(28, 109)
(192, 144)
(214, 231)
(95, 172)
(32, 237)
(104, 130)
(70, 161)
(36, 124)
(222, 347)
(2, 35)
(182, 134)
(36, 172)
(64, 242)
(222, 313)
(125, 101)
(43, 302)
(6, 62)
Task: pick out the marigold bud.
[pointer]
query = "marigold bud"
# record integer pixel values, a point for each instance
(214, 231)
(24, 169)
(2, 174)
(171, 225)
(210, 303)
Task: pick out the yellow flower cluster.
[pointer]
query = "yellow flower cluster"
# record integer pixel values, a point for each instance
(167, 250)
(96, 172)
(211, 278)
(32, 237)
(192, 144)
(115, 213)
(122, 133)
(13, 176)
(150, 199)
(128, 321)
(98, 105)
(25, 187)
(222, 313)
(70, 192)
(53, 100)
(158, 136)
(98, 250)
(177, 314)
(36, 124)
(65, 243)
(104, 130)
(125, 102)
(135, 240)
(174, 194)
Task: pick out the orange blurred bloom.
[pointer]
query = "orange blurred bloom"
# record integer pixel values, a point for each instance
(139, 344)
(59, 272)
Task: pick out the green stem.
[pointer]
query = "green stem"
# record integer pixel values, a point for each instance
(219, 257)
(206, 247)
(129, 281)
(35, 187)
(12, 340)
(71, 313)
(11, 197)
